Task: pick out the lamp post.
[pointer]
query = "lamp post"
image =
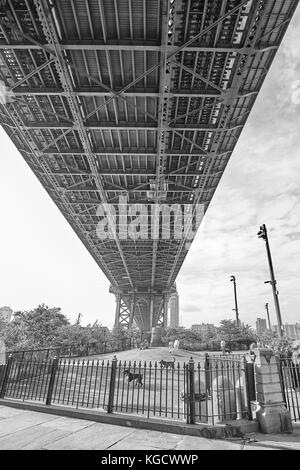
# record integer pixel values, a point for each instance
(267, 309)
(232, 279)
(264, 235)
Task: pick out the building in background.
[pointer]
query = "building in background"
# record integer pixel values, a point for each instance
(292, 331)
(204, 329)
(275, 329)
(6, 313)
(174, 310)
(261, 326)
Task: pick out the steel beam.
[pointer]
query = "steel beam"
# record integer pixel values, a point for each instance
(133, 46)
(93, 91)
(129, 126)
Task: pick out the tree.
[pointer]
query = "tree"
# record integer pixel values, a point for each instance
(229, 331)
(42, 324)
(45, 327)
(181, 333)
(121, 334)
(37, 328)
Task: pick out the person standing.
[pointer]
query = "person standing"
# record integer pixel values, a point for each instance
(223, 346)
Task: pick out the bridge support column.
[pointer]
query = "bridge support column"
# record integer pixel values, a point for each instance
(174, 308)
(124, 312)
(148, 310)
(160, 320)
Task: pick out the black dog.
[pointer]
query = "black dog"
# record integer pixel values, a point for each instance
(166, 364)
(136, 378)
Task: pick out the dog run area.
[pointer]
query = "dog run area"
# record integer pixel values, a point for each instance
(158, 391)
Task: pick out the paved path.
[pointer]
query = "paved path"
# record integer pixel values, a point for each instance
(23, 429)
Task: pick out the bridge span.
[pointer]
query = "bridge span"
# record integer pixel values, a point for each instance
(121, 107)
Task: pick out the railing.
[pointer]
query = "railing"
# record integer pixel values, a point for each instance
(289, 374)
(210, 391)
(242, 345)
(45, 354)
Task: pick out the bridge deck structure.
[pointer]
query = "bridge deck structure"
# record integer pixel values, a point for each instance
(118, 105)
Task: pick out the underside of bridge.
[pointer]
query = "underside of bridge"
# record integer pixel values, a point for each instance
(142, 100)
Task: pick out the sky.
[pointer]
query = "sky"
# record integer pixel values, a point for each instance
(43, 261)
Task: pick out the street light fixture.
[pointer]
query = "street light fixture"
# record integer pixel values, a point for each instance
(264, 235)
(232, 279)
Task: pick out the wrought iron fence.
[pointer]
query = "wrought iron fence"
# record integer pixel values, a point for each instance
(289, 374)
(210, 391)
(45, 354)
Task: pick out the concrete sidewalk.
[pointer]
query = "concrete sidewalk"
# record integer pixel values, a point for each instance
(24, 429)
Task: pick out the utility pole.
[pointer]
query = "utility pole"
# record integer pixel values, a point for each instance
(232, 279)
(264, 235)
(267, 309)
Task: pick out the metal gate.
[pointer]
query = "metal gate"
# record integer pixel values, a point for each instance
(289, 374)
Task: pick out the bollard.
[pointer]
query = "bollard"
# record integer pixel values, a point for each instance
(111, 395)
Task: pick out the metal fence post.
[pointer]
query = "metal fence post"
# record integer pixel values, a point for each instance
(112, 385)
(250, 386)
(6, 376)
(52, 380)
(207, 373)
(191, 392)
